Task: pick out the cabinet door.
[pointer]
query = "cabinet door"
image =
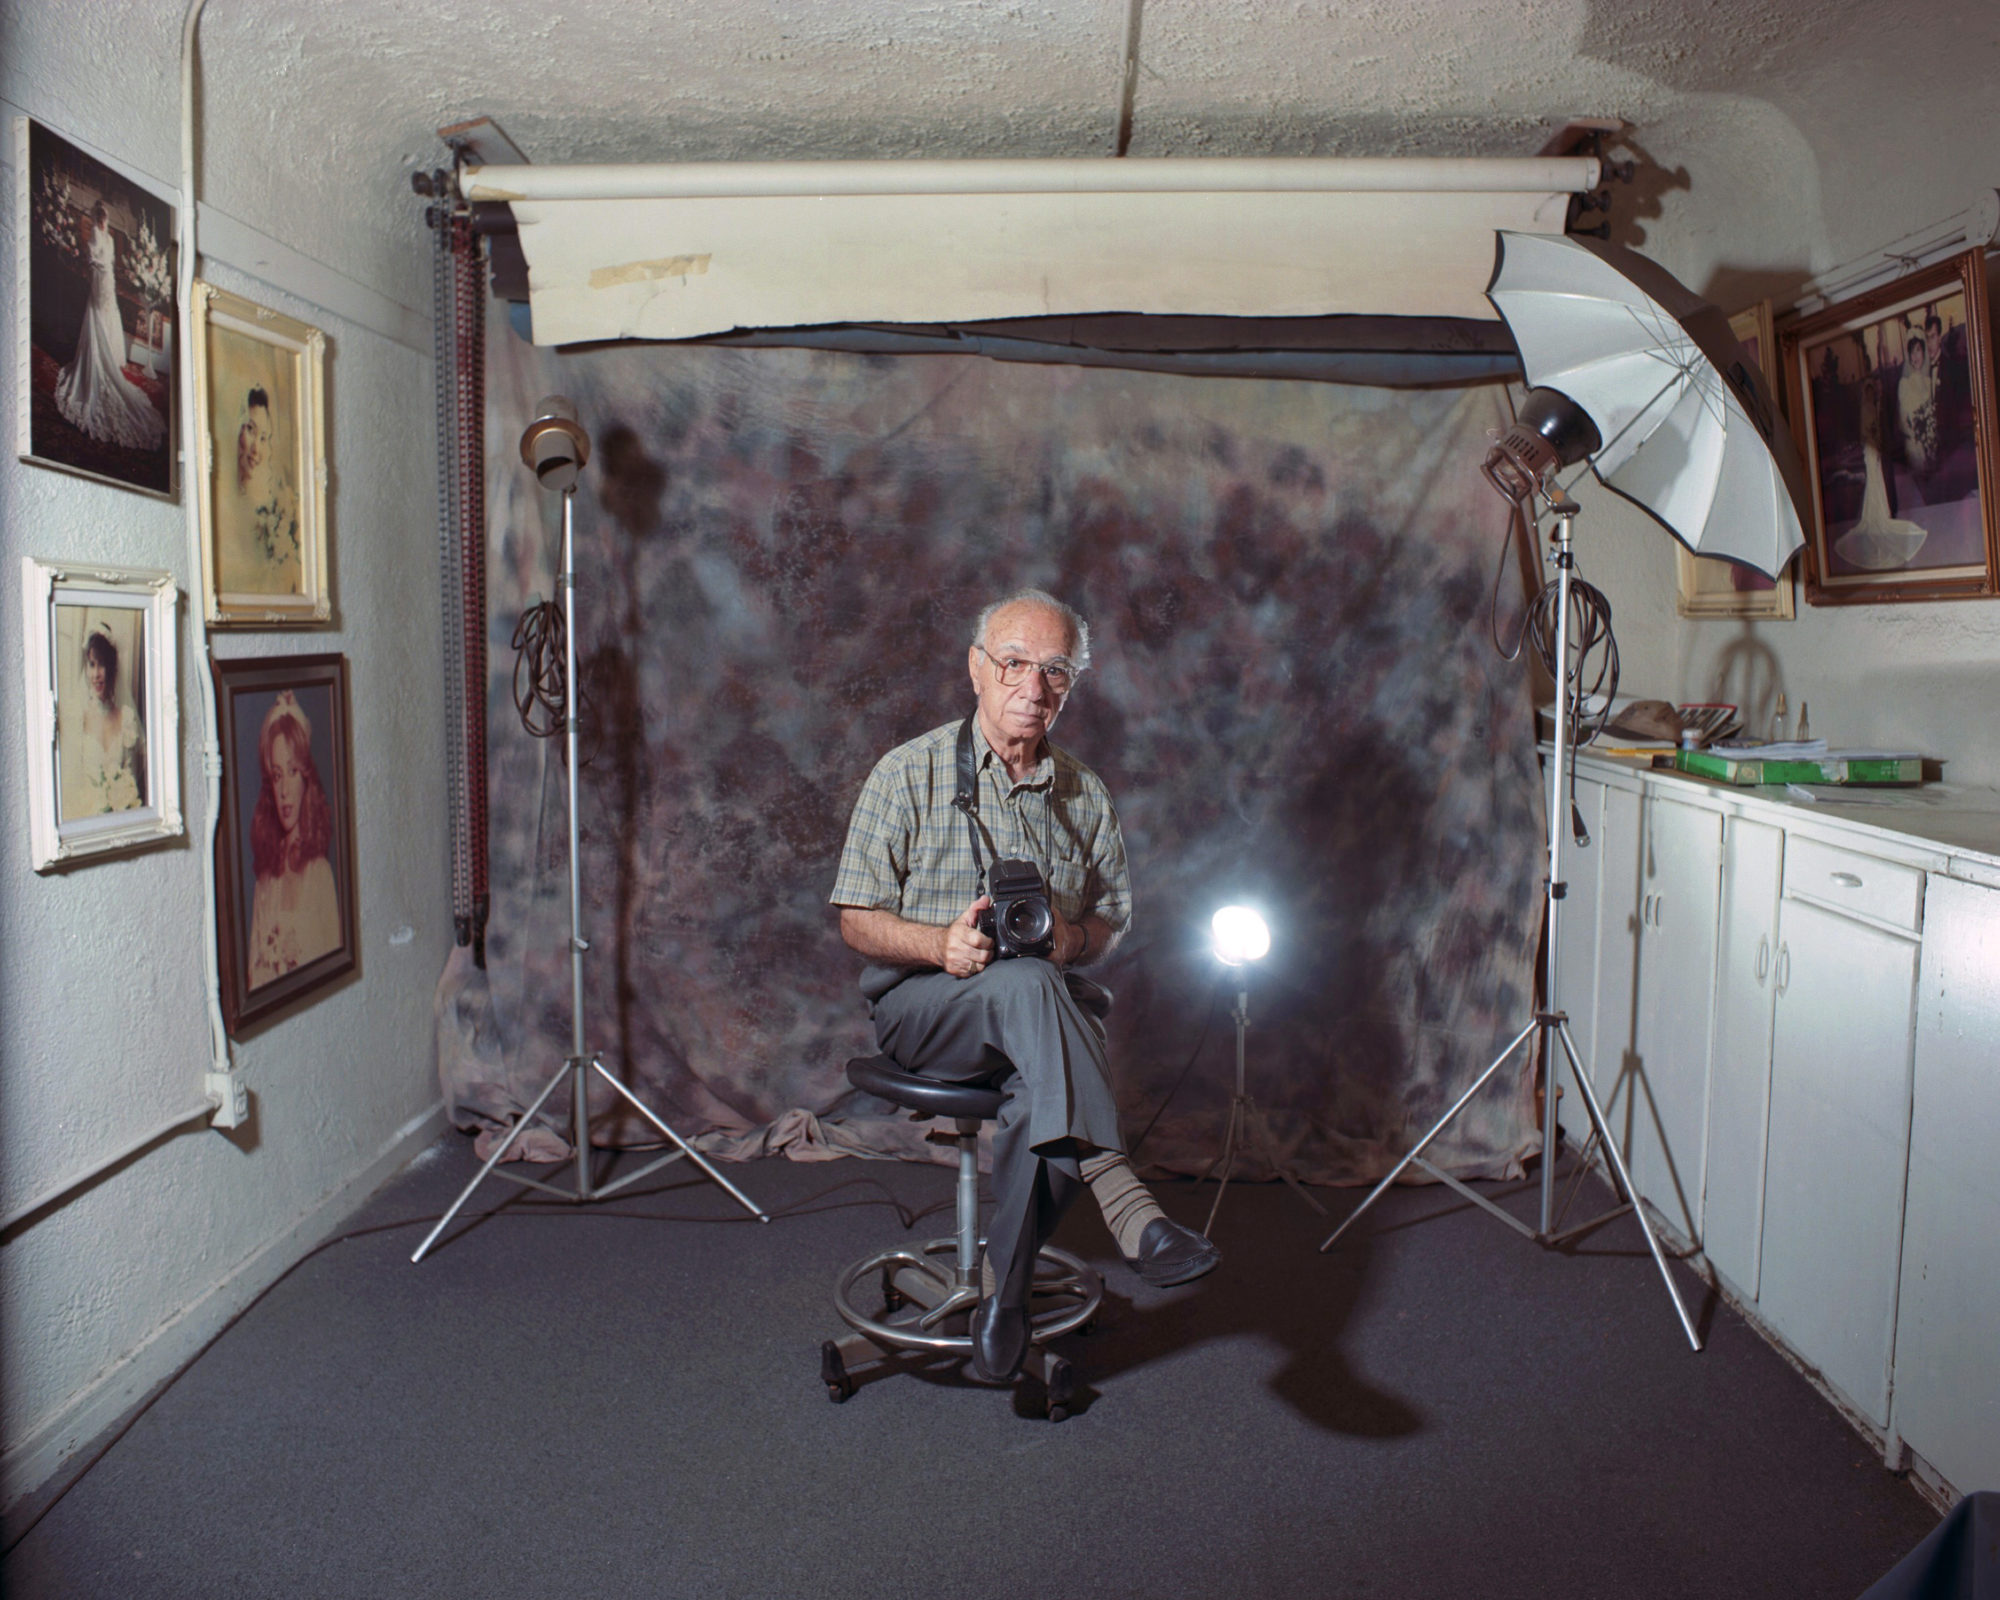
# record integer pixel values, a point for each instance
(1577, 946)
(1661, 1102)
(1948, 1321)
(1608, 1041)
(1739, 1086)
(1839, 1129)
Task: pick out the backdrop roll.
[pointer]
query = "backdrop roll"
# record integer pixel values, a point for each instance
(1294, 701)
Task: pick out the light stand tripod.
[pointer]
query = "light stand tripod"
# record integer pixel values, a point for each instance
(1551, 1025)
(1244, 1117)
(556, 446)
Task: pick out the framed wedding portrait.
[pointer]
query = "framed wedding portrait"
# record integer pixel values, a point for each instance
(103, 713)
(95, 317)
(1708, 586)
(260, 402)
(284, 855)
(1892, 403)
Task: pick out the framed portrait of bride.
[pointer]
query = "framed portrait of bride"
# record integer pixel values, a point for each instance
(103, 712)
(284, 855)
(94, 275)
(1892, 404)
(260, 403)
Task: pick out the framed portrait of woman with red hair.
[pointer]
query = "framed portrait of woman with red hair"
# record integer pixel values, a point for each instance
(284, 855)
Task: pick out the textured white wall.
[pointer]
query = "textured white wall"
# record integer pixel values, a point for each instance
(102, 1029)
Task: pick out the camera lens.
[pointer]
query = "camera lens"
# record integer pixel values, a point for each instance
(1029, 921)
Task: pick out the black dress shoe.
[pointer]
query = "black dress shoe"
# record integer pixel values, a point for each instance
(999, 1339)
(1171, 1254)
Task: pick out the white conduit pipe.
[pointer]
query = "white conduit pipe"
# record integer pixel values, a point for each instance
(1098, 175)
(193, 437)
(131, 1147)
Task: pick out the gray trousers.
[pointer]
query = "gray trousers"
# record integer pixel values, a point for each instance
(1037, 1035)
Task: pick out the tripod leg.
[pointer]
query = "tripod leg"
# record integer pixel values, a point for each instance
(1227, 1160)
(1254, 1123)
(1625, 1181)
(520, 1127)
(687, 1149)
(1442, 1123)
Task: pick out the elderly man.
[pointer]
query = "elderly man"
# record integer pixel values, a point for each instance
(910, 898)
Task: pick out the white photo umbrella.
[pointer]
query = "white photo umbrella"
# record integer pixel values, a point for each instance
(1691, 433)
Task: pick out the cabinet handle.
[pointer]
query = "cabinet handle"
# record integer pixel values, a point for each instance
(1646, 911)
(1784, 967)
(1846, 880)
(1659, 905)
(1763, 957)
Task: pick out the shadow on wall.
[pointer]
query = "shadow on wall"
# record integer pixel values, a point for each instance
(1748, 675)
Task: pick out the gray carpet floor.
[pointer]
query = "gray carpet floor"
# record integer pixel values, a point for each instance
(625, 1400)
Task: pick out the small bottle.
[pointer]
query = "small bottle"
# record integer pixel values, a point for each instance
(1805, 726)
(1778, 721)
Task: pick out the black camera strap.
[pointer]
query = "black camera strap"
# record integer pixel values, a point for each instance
(967, 800)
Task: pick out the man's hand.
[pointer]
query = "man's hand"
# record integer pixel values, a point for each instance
(1068, 939)
(964, 949)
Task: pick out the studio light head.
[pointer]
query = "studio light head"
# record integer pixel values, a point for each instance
(1240, 935)
(1550, 432)
(555, 445)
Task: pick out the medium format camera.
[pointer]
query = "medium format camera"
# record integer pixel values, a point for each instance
(1020, 921)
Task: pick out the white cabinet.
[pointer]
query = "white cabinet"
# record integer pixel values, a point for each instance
(1792, 1014)
(1739, 1086)
(1948, 1329)
(1840, 1114)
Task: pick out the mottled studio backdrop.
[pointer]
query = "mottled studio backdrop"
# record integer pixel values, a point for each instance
(1293, 701)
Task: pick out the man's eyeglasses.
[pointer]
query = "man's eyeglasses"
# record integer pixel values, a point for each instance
(1060, 674)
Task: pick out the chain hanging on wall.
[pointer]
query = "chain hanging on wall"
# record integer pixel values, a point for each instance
(458, 321)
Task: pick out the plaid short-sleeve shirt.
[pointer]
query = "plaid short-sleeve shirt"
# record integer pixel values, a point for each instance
(908, 851)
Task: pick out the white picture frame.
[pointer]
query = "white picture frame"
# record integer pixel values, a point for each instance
(103, 709)
(260, 414)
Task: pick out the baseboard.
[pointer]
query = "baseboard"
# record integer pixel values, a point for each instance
(36, 1471)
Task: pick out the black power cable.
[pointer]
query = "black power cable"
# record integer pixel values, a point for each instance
(1592, 670)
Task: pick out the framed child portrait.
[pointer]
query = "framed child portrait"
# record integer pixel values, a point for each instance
(284, 856)
(260, 400)
(103, 712)
(1892, 403)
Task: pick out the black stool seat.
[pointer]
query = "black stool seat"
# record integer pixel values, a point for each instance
(881, 1076)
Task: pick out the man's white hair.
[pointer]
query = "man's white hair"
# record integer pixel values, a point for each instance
(1079, 630)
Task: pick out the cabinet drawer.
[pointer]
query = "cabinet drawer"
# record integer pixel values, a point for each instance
(1844, 880)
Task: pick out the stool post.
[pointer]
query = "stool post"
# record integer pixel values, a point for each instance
(968, 1200)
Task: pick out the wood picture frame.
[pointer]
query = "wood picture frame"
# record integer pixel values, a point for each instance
(284, 855)
(95, 318)
(103, 709)
(1893, 406)
(1708, 586)
(260, 403)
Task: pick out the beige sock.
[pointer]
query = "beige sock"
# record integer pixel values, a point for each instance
(1128, 1205)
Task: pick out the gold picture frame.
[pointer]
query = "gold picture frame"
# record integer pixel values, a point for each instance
(260, 411)
(1708, 586)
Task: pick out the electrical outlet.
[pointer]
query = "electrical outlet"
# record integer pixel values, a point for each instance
(232, 1098)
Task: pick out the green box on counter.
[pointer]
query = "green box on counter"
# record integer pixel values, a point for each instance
(1829, 768)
